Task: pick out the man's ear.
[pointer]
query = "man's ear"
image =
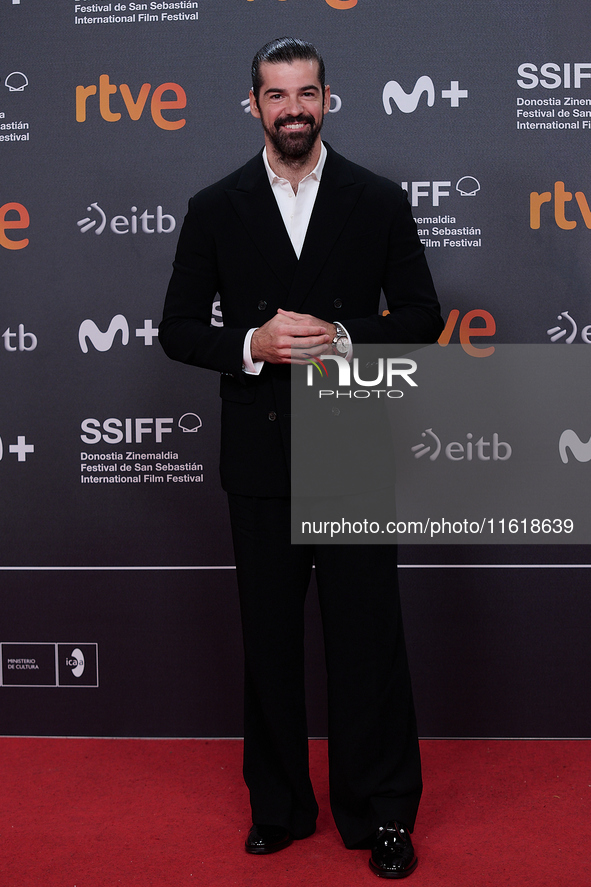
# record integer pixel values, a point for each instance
(326, 103)
(254, 108)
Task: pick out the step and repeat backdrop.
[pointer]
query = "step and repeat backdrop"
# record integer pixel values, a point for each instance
(119, 614)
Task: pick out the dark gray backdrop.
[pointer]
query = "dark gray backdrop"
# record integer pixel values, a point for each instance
(142, 567)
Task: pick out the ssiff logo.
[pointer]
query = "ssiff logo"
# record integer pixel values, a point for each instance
(467, 186)
(568, 75)
(134, 430)
(16, 82)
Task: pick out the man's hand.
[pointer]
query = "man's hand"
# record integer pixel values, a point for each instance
(288, 330)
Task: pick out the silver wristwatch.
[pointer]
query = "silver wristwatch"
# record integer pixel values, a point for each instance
(341, 339)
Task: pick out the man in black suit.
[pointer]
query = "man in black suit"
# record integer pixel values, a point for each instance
(299, 243)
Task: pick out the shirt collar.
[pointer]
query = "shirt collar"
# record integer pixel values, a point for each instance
(316, 172)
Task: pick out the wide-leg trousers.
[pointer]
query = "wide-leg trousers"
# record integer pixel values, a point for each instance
(374, 763)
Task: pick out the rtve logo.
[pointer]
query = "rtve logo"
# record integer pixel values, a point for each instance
(407, 102)
(486, 327)
(89, 331)
(162, 223)
(481, 449)
(134, 106)
(13, 216)
(467, 331)
(559, 198)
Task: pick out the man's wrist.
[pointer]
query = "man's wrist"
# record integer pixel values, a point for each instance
(250, 364)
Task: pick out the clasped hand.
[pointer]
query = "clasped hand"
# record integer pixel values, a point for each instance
(291, 338)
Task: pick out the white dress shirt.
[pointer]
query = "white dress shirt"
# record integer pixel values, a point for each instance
(296, 210)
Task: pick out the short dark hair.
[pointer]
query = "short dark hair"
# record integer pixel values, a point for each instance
(285, 49)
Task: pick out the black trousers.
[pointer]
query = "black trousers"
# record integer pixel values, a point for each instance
(374, 763)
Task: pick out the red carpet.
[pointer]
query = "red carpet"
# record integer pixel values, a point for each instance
(143, 813)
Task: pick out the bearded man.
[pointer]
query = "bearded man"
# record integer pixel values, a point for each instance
(299, 244)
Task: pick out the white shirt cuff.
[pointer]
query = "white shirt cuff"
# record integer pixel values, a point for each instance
(249, 366)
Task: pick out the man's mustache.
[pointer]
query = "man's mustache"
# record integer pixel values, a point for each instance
(301, 118)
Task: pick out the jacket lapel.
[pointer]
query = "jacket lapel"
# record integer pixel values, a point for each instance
(336, 199)
(257, 208)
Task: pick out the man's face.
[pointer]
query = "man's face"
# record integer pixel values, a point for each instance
(291, 107)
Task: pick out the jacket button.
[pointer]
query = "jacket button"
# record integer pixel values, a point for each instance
(272, 416)
(338, 303)
(262, 305)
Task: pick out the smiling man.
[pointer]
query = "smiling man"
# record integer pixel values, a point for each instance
(299, 244)
(292, 112)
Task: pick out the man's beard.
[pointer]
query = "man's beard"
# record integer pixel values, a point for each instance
(293, 146)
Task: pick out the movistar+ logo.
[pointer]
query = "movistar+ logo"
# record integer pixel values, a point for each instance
(569, 440)
(407, 102)
(103, 341)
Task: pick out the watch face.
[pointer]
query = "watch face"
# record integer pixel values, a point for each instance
(343, 345)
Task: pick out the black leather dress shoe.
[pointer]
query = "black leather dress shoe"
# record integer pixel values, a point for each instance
(393, 855)
(267, 839)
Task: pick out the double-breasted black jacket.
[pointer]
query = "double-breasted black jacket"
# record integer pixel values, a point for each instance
(361, 240)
